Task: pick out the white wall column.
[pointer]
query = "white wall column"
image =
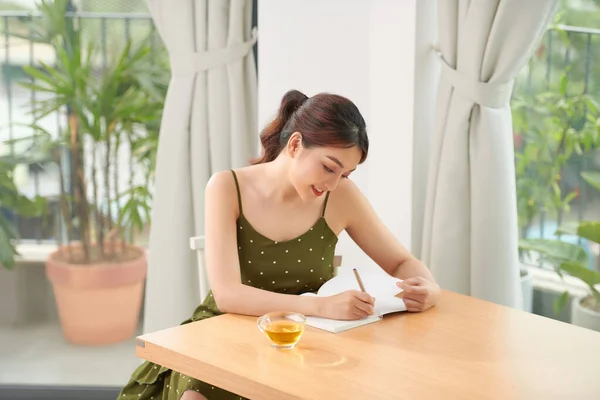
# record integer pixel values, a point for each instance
(391, 83)
(362, 49)
(427, 73)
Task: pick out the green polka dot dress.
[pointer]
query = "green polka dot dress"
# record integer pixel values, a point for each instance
(293, 266)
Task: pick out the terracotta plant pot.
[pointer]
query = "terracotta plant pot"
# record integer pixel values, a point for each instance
(98, 303)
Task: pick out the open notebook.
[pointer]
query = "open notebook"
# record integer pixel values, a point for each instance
(376, 282)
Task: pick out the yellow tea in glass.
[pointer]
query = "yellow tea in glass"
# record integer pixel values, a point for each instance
(283, 329)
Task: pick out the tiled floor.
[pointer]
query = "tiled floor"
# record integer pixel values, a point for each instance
(39, 355)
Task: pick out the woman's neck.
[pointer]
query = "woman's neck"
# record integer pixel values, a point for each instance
(277, 183)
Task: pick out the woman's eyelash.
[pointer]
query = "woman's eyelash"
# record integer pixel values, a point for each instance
(326, 168)
(331, 171)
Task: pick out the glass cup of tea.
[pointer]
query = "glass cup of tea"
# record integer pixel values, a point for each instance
(283, 329)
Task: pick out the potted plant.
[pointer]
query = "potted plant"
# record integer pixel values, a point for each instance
(552, 129)
(573, 260)
(97, 273)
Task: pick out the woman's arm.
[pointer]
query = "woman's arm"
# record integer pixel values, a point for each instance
(222, 263)
(374, 238)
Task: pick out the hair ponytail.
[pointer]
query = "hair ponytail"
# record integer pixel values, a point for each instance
(324, 120)
(270, 137)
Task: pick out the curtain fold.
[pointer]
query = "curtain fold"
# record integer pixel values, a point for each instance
(208, 124)
(470, 234)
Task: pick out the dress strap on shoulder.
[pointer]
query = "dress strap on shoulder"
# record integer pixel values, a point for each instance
(325, 204)
(239, 194)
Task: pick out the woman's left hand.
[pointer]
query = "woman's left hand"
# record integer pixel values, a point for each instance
(419, 294)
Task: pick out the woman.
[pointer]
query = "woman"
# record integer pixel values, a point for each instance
(271, 230)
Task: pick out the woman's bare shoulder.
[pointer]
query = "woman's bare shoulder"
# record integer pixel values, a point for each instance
(222, 186)
(221, 192)
(220, 182)
(346, 193)
(342, 203)
(244, 173)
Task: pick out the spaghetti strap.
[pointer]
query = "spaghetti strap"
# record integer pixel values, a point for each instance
(239, 194)
(325, 204)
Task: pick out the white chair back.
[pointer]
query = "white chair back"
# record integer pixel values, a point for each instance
(197, 244)
(337, 263)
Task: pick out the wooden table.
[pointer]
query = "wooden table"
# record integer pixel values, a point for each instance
(463, 348)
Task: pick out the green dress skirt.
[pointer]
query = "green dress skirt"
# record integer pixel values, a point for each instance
(293, 267)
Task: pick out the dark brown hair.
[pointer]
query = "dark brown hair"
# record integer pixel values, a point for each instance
(323, 120)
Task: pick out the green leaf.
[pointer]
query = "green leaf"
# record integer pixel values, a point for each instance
(561, 302)
(8, 185)
(51, 79)
(59, 77)
(564, 36)
(37, 87)
(592, 177)
(7, 247)
(570, 197)
(555, 251)
(589, 230)
(556, 189)
(563, 85)
(591, 105)
(580, 271)
(568, 229)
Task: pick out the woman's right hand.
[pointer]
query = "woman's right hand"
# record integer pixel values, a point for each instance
(348, 305)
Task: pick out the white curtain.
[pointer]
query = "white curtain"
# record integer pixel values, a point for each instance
(470, 232)
(209, 124)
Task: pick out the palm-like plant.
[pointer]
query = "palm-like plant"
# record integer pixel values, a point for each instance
(106, 108)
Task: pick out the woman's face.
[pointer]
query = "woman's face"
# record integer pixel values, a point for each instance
(316, 170)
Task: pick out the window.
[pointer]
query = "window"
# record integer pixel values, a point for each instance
(31, 318)
(556, 136)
